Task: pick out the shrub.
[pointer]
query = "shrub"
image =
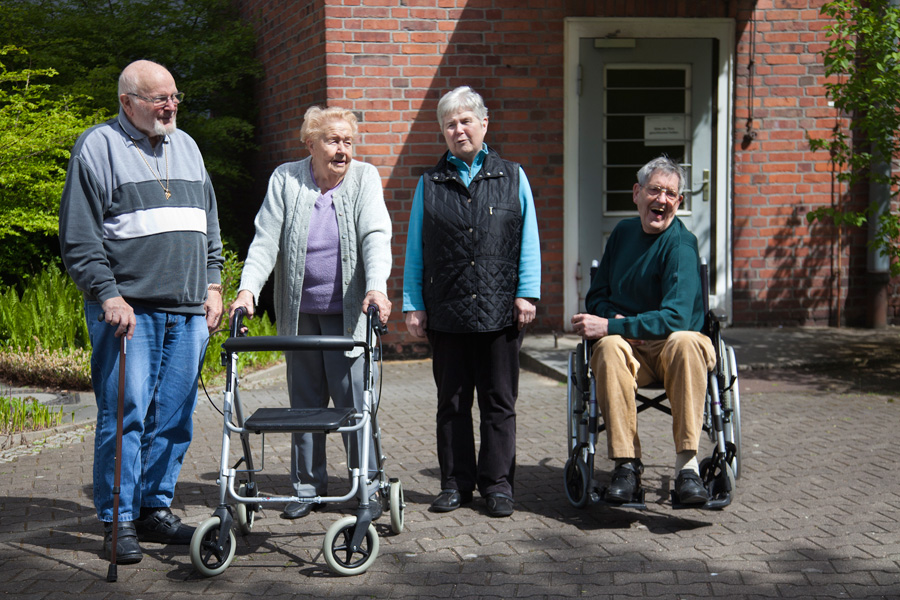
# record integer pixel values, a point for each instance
(44, 340)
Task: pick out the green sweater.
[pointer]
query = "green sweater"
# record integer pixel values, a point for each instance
(653, 280)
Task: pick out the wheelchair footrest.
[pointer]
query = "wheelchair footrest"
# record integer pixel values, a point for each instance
(717, 502)
(637, 500)
(296, 420)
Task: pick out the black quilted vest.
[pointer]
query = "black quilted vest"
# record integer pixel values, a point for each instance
(471, 243)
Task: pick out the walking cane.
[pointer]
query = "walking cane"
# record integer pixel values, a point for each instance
(112, 573)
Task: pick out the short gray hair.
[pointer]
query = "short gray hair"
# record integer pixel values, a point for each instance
(317, 119)
(462, 98)
(665, 165)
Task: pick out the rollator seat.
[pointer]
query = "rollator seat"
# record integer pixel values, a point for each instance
(299, 419)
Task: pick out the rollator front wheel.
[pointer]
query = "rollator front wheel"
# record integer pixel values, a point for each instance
(397, 506)
(246, 513)
(206, 554)
(340, 557)
(578, 479)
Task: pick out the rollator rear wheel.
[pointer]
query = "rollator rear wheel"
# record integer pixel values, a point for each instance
(206, 556)
(246, 513)
(396, 505)
(732, 401)
(578, 478)
(340, 557)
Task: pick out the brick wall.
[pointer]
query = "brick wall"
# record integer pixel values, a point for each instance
(391, 60)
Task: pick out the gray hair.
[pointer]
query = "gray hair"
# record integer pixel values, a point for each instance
(317, 118)
(665, 165)
(462, 98)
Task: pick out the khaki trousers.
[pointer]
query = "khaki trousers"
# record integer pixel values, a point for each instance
(681, 362)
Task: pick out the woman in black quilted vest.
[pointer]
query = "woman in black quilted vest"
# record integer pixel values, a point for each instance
(471, 280)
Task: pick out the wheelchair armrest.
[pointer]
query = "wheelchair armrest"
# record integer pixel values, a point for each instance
(718, 314)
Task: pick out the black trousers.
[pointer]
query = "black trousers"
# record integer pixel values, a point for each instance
(489, 364)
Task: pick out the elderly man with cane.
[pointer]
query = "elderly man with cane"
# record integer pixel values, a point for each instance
(139, 235)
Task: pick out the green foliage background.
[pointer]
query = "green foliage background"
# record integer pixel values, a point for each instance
(84, 45)
(862, 62)
(44, 338)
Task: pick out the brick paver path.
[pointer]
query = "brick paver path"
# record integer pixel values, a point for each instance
(817, 513)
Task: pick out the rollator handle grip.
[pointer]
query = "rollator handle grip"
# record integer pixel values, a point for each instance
(372, 314)
(237, 321)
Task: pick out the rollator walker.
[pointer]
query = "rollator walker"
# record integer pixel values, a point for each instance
(721, 420)
(351, 544)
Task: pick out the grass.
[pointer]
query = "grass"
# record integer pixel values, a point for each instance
(21, 415)
(44, 340)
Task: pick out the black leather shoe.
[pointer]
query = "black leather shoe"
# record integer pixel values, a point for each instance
(160, 525)
(449, 500)
(296, 510)
(375, 507)
(626, 480)
(689, 488)
(128, 551)
(499, 505)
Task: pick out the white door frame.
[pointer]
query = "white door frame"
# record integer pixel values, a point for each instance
(588, 27)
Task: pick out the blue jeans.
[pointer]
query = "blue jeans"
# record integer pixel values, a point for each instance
(162, 363)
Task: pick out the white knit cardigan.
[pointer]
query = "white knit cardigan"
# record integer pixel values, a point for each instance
(282, 228)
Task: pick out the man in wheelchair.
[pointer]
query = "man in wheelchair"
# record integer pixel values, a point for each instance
(645, 312)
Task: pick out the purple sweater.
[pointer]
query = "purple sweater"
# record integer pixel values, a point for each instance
(321, 293)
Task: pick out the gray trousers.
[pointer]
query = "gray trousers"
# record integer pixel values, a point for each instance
(312, 377)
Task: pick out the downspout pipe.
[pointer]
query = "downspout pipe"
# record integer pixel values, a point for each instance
(878, 265)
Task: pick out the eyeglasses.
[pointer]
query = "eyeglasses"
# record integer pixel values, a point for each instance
(161, 101)
(654, 191)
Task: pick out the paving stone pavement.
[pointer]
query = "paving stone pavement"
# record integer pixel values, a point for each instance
(816, 513)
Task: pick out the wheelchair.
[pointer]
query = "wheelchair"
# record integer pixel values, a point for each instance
(721, 421)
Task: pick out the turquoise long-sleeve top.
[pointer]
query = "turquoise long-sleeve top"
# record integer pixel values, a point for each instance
(529, 256)
(653, 280)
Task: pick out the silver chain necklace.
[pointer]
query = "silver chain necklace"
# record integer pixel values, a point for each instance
(166, 154)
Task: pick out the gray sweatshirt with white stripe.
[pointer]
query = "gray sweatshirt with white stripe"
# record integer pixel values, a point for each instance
(121, 236)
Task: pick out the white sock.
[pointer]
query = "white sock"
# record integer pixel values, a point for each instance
(686, 460)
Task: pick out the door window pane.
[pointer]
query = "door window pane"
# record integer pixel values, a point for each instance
(646, 114)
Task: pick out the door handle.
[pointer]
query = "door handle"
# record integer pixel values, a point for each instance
(704, 187)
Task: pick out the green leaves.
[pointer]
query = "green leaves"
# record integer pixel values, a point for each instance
(36, 132)
(862, 63)
(67, 81)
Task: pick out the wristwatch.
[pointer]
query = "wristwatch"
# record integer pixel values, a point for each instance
(215, 287)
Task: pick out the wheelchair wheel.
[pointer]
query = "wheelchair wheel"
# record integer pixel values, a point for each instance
(708, 474)
(396, 506)
(731, 400)
(573, 403)
(578, 471)
(206, 556)
(340, 557)
(246, 513)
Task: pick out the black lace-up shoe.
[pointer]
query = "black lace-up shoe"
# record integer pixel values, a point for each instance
(499, 505)
(689, 488)
(626, 480)
(375, 507)
(158, 524)
(297, 510)
(449, 500)
(128, 551)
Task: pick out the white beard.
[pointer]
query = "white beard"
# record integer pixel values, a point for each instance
(160, 129)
